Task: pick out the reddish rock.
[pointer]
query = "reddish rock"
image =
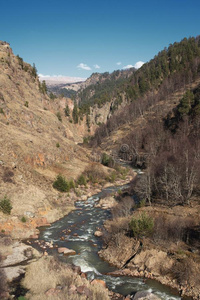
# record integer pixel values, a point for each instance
(99, 282)
(52, 292)
(66, 251)
(34, 236)
(98, 233)
(72, 289)
(83, 290)
(83, 275)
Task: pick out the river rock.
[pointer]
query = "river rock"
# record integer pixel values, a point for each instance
(34, 236)
(66, 251)
(83, 275)
(107, 202)
(98, 282)
(145, 295)
(107, 185)
(98, 233)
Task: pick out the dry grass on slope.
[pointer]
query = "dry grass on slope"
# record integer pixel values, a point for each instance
(50, 279)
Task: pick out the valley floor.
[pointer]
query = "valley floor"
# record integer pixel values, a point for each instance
(18, 259)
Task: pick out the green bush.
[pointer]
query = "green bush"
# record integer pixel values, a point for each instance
(82, 180)
(86, 140)
(59, 116)
(5, 205)
(61, 184)
(23, 219)
(112, 177)
(71, 184)
(26, 103)
(142, 225)
(142, 203)
(107, 161)
(57, 145)
(119, 191)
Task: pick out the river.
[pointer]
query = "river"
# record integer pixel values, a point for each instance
(76, 231)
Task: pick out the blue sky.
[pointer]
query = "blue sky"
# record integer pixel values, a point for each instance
(77, 38)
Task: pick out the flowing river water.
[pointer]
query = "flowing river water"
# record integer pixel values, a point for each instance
(76, 231)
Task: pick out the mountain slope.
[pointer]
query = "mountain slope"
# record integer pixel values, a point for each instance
(35, 145)
(154, 85)
(104, 95)
(159, 129)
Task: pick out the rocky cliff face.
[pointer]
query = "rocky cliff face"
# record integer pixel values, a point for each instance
(35, 144)
(101, 96)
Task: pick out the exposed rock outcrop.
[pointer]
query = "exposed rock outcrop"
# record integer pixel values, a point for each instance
(13, 265)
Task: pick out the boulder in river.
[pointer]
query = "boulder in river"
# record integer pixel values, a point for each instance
(98, 233)
(145, 295)
(66, 251)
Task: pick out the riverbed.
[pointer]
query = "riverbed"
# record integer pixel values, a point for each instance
(76, 231)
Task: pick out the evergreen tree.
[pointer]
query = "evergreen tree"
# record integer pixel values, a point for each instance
(34, 71)
(67, 111)
(21, 62)
(186, 103)
(75, 113)
(44, 87)
(88, 121)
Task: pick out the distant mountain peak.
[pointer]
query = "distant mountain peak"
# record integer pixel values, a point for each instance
(59, 79)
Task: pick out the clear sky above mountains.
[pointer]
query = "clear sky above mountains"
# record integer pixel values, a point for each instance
(77, 38)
